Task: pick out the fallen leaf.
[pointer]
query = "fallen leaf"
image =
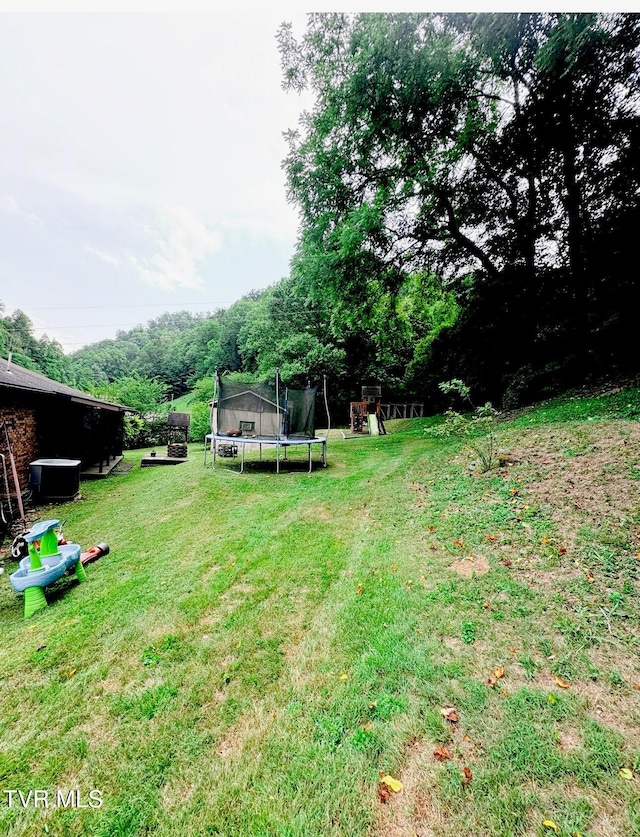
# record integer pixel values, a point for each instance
(71, 673)
(513, 492)
(545, 539)
(468, 776)
(562, 683)
(485, 605)
(394, 784)
(551, 824)
(491, 537)
(459, 544)
(373, 704)
(589, 578)
(626, 773)
(513, 649)
(359, 590)
(366, 727)
(441, 753)
(498, 672)
(552, 699)
(507, 562)
(562, 550)
(432, 528)
(344, 677)
(450, 714)
(393, 568)
(383, 792)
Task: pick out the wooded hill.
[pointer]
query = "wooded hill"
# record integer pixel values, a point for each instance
(468, 188)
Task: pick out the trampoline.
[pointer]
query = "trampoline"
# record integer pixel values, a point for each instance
(260, 414)
(212, 441)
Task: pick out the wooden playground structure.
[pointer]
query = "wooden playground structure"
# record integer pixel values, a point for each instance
(369, 414)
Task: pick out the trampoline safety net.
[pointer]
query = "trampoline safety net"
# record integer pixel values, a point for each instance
(253, 410)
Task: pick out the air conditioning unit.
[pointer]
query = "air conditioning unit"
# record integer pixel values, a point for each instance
(54, 479)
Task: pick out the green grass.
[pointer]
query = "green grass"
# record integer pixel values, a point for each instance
(257, 649)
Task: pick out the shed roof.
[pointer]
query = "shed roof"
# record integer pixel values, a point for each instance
(17, 377)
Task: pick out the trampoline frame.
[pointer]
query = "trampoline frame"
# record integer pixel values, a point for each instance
(212, 440)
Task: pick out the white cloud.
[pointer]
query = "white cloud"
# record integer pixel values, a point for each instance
(10, 206)
(183, 243)
(106, 257)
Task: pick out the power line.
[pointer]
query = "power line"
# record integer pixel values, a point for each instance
(134, 305)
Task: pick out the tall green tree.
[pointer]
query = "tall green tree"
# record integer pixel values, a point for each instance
(486, 148)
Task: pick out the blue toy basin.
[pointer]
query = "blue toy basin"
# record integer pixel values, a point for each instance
(53, 567)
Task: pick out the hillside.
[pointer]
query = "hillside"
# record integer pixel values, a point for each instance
(258, 651)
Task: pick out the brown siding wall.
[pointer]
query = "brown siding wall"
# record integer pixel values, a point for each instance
(21, 425)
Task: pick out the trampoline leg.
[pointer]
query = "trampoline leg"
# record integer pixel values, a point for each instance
(213, 450)
(260, 447)
(242, 461)
(277, 459)
(324, 454)
(309, 446)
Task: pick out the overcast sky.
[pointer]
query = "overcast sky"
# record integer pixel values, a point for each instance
(140, 166)
(140, 163)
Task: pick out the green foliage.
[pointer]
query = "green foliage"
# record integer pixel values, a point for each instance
(478, 427)
(142, 394)
(492, 150)
(43, 355)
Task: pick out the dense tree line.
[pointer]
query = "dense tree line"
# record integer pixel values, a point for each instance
(41, 355)
(468, 187)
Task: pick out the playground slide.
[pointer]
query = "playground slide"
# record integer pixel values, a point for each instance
(372, 420)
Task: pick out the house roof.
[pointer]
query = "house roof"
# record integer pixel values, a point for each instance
(17, 377)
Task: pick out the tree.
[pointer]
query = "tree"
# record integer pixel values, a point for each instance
(484, 148)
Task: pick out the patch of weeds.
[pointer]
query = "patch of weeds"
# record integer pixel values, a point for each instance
(616, 679)
(545, 646)
(169, 643)
(583, 629)
(564, 667)
(530, 666)
(468, 632)
(478, 427)
(150, 656)
(603, 559)
(364, 739)
(387, 705)
(593, 672)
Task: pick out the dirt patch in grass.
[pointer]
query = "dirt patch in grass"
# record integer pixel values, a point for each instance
(416, 809)
(246, 734)
(585, 479)
(470, 566)
(175, 793)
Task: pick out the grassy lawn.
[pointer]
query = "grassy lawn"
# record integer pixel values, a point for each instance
(258, 650)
